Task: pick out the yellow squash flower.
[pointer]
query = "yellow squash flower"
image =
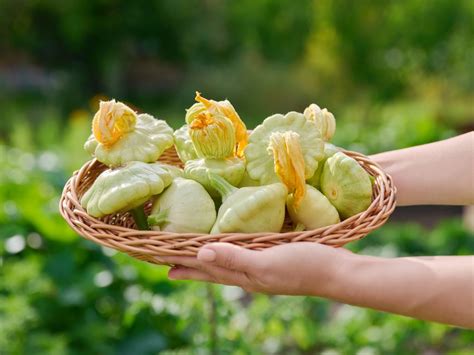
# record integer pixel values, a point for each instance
(213, 136)
(324, 120)
(289, 162)
(113, 120)
(119, 135)
(307, 207)
(224, 108)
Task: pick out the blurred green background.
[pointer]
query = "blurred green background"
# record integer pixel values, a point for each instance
(394, 73)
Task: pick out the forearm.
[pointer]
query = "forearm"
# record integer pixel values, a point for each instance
(435, 173)
(431, 288)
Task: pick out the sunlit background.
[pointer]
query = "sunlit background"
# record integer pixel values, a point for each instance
(394, 73)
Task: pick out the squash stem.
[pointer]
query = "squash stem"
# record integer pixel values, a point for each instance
(221, 185)
(158, 219)
(138, 215)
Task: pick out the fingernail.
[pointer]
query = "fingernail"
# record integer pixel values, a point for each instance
(206, 255)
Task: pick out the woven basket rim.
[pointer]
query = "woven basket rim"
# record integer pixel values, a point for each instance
(126, 239)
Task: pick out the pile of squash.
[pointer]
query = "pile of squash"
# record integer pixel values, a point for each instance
(232, 181)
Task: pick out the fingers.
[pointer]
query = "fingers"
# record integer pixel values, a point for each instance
(189, 261)
(216, 273)
(231, 257)
(187, 273)
(190, 268)
(212, 274)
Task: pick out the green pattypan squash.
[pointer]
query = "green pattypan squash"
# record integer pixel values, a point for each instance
(249, 209)
(313, 211)
(346, 184)
(125, 188)
(183, 144)
(248, 181)
(119, 135)
(184, 207)
(324, 120)
(260, 164)
(306, 205)
(173, 170)
(231, 169)
(329, 151)
(214, 139)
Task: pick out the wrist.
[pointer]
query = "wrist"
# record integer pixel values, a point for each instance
(344, 275)
(400, 168)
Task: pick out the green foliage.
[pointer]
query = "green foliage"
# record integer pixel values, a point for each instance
(63, 295)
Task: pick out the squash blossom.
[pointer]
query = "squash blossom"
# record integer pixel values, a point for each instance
(213, 137)
(289, 162)
(260, 157)
(324, 120)
(112, 121)
(249, 209)
(193, 111)
(306, 205)
(226, 109)
(126, 188)
(119, 135)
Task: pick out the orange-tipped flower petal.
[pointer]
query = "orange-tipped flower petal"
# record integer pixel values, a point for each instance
(112, 121)
(289, 162)
(225, 108)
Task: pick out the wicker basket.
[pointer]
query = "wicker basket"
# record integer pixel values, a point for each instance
(118, 231)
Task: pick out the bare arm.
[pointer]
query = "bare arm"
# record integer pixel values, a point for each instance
(440, 173)
(431, 288)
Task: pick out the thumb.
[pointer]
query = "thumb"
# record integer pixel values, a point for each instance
(229, 256)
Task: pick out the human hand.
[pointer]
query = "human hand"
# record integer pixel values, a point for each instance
(289, 269)
(436, 288)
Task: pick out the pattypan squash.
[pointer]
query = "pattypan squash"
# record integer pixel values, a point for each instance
(183, 144)
(329, 151)
(174, 171)
(226, 109)
(259, 156)
(213, 137)
(119, 135)
(231, 169)
(346, 184)
(313, 211)
(324, 120)
(184, 207)
(125, 188)
(248, 181)
(249, 209)
(306, 205)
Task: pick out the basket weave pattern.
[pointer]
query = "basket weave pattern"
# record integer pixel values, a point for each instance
(118, 231)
